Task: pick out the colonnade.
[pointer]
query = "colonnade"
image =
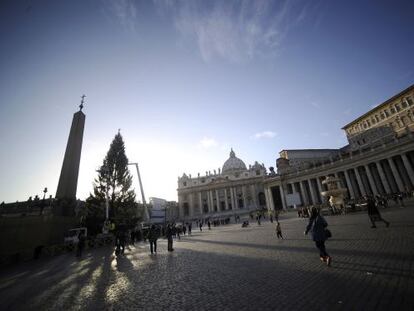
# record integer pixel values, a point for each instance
(377, 177)
(201, 203)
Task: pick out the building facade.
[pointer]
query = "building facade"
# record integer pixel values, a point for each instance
(233, 190)
(378, 160)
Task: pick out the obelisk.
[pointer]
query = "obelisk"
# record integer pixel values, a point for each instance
(68, 180)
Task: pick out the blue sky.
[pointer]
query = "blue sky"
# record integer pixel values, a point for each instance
(187, 80)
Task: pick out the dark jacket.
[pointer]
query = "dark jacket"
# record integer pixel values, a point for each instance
(153, 234)
(372, 208)
(317, 227)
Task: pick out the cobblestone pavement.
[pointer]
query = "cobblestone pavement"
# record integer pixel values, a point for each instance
(232, 268)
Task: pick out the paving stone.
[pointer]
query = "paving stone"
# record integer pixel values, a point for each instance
(232, 268)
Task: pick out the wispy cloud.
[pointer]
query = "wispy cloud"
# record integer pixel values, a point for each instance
(264, 134)
(207, 142)
(235, 31)
(347, 112)
(124, 11)
(315, 105)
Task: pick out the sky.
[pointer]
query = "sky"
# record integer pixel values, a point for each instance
(185, 81)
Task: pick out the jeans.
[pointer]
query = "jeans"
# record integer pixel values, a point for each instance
(153, 246)
(170, 244)
(321, 246)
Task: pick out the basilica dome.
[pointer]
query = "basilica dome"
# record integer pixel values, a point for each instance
(233, 164)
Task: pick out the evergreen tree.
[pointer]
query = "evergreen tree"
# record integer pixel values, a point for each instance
(115, 179)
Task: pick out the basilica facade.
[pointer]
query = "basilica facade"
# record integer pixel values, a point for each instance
(232, 190)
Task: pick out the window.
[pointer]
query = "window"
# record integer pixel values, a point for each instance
(392, 110)
(409, 100)
(382, 116)
(386, 113)
(404, 104)
(397, 107)
(184, 183)
(257, 172)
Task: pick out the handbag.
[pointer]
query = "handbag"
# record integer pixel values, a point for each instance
(328, 233)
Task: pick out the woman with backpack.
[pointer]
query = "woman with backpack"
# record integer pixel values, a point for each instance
(318, 227)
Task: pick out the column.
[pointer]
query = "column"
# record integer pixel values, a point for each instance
(359, 180)
(218, 201)
(282, 196)
(349, 184)
(371, 180)
(383, 178)
(191, 211)
(397, 177)
(312, 193)
(200, 201)
(254, 196)
(408, 167)
(236, 206)
(269, 201)
(232, 198)
(225, 199)
(320, 189)
(266, 191)
(244, 196)
(211, 207)
(304, 194)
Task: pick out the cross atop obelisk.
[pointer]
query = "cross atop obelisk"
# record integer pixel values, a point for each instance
(82, 102)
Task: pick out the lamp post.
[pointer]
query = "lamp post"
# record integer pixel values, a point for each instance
(146, 215)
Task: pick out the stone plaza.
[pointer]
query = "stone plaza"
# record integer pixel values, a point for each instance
(232, 268)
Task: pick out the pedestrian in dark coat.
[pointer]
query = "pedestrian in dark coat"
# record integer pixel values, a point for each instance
(374, 214)
(169, 234)
(152, 238)
(317, 226)
(279, 231)
(81, 244)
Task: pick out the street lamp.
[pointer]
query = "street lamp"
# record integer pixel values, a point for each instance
(146, 215)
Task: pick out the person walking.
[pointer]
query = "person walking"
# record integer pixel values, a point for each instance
(279, 231)
(201, 226)
(152, 238)
(318, 227)
(169, 234)
(81, 244)
(120, 240)
(189, 228)
(374, 214)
